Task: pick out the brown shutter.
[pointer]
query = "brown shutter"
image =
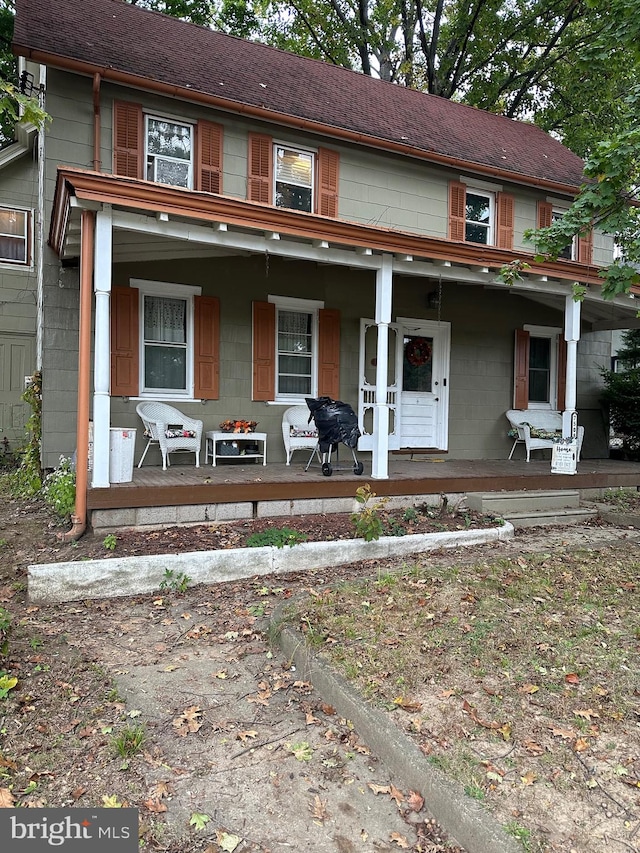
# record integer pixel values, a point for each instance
(209, 157)
(505, 218)
(264, 351)
(545, 214)
(124, 341)
(206, 348)
(562, 374)
(127, 140)
(327, 197)
(585, 248)
(259, 169)
(521, 371)
(457, 210)
(329, 353)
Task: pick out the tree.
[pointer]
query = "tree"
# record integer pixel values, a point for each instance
(610, 196)
(8, 70)
(531, 59)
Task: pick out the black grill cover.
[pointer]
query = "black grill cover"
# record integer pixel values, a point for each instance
(335, 421)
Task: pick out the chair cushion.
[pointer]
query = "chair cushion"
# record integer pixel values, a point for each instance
(179, 433)
(303, 432)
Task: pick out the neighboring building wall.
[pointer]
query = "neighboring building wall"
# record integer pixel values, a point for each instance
(18, 188)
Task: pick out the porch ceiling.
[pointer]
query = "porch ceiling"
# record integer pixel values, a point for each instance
(158, 222)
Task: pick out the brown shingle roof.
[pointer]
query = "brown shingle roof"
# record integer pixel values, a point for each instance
(114, 36)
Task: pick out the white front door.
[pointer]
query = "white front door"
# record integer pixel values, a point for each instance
(417, 383)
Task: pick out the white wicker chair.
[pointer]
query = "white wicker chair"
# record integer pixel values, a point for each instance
(297, 432)
(160, 420)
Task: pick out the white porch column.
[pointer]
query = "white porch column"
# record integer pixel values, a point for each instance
(102, 349)
(380, 455)
(572, 336)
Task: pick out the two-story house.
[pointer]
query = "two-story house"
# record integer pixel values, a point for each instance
(233, 228)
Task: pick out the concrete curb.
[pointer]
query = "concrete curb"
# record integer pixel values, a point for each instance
(620, 519)
(51, 583)
(462, 817)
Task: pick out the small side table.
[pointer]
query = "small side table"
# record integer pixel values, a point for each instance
(213, 437)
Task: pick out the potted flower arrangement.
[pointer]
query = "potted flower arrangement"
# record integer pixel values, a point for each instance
(238, 426)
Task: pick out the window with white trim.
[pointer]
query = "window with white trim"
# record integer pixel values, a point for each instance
(543, 367)
(169, 151)
(296, 348)
(293, 178)
(15, 236)
(166, 338)
(570, 251)
(479, 217)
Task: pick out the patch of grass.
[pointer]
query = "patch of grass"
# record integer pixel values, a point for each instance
(276, 536)
(129, 742)
(623, 500)
(516, 667)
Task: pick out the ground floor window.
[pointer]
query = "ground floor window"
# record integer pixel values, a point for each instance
(166, 338)
(14, 236)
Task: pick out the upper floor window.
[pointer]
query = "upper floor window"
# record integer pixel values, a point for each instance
(481, 216)
(166, 150)
(290, 177)
(14, 236)
(293, 178)
(169, 152)
(569, 251)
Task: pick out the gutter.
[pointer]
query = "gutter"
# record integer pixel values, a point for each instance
(273, 116)
(79, 518)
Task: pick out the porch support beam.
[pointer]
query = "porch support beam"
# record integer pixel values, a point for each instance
(384, 290)
(102, 348)
(572, 336)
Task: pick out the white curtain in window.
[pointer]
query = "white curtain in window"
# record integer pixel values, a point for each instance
(165, 319)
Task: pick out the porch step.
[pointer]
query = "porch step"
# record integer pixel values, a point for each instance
(535, 508)
(501, 502)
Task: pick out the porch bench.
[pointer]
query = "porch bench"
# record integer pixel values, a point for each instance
(537, 429)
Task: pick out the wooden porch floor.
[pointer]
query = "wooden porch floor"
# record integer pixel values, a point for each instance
(235, 481)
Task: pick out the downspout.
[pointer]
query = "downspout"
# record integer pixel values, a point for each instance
(97, 162)
(79, 518)
(39, 237)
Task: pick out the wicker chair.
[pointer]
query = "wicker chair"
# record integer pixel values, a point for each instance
(297, 432)
(170, 430)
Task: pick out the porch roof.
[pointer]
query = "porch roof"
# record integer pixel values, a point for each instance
(161, 220)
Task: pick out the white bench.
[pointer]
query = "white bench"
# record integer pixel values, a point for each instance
(536, 428)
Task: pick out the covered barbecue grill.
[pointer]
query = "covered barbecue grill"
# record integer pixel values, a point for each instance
(336, 423)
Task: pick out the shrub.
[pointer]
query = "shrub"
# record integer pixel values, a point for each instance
(622, 398)
(59, 490)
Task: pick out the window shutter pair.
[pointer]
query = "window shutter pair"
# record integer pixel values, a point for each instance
(128, 148)
(125, 344)
(585, 241)
(264, 352)
(505, 213)
(521, 372)
(260, 175)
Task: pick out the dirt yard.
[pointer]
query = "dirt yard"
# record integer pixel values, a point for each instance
(174, 703)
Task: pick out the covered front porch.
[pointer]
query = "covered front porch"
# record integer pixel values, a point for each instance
(185, 494)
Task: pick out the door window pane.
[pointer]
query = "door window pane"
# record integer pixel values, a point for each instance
(417, 364)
